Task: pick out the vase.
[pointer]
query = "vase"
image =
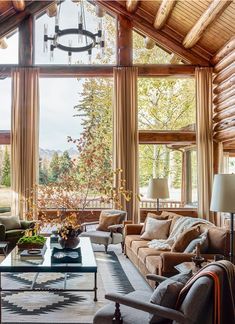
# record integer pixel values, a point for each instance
(70, 242)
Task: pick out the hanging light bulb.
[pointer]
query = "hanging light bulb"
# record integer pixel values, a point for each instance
(45, 47)
(70, 53)
(89, 56)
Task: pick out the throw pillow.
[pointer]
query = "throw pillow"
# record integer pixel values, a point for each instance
(165, 295)
(106, 220)
(182, 277)
(204, 243)
(185, 238)
(10, 222)
(173, 216)
(156, 229)
(155, 216)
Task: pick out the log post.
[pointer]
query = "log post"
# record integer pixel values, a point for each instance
(124, 41)
(26, 34)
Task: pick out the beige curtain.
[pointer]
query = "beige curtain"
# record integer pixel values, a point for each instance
(24, 138)
(204, 141)
(125, 139)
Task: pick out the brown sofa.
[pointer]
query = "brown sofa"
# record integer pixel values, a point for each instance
(150, 260)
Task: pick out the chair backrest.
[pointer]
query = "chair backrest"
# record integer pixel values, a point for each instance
(121, 212)
(197, 305)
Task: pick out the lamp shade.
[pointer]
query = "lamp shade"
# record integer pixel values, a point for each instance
(223, 193)
(158, 188)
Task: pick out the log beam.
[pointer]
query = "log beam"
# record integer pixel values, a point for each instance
(224, 86)
(179, 70)
(52, 10)
(224, 74)
(225, 62)
(19, 5)
(226, 135)
(214, 10)
(225, 124)
(175, 59)
(163, 13)
(167, 137)
(124, 41)
(12, 22)
(224, 51)
(132, 5)
(223, 96)
(146, 28)
(225, 104)
(26, 34)
(225, 114)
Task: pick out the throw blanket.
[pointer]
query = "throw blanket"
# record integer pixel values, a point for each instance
(223, 275)
(180, 225)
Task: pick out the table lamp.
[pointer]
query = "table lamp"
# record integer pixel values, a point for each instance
(158, 188)
(223, 200)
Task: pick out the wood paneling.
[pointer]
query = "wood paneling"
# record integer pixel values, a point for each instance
(5, 137)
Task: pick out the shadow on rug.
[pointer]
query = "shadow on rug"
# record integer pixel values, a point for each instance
(62, 307)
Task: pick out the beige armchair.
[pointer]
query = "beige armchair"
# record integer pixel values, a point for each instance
(114, 235)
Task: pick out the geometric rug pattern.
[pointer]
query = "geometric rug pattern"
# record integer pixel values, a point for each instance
(62, 307)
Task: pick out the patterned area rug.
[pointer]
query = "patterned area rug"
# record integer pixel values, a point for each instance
(62, 307)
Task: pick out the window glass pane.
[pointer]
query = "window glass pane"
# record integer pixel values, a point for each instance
(69, 19)
(159, 161)
(141, 55)
(5, 106)
(166, 104)
(81, 109)
(164, 161)
(9, 55)
(231, 164)
(5, 178)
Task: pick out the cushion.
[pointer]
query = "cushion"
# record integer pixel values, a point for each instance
(156, 229)
(165, 295)
(202, 240)
(106, 220)
(152, 215)
(10, 222)
(182, 277)
(185, 238)
(173, 216)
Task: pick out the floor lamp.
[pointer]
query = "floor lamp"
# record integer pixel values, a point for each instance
(158, 189)
(223, 200)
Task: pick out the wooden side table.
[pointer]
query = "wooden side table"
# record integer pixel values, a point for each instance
(189, 266)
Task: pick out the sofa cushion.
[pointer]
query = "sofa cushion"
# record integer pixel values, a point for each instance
(182, 277)
(202, 240)
(218, 240)
(10, 222)
(152, 215)
(14, 233)
(136, 245)
(166, 295)
(156, 229)
(131, 238)
(185, 238)
(106, 220)
(173, 216)
(152, 263)
(144, 252)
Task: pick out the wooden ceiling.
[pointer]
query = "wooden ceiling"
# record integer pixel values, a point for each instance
(192, 29)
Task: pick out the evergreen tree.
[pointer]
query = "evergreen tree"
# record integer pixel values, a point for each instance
(6, 170)
(54, 168)
(65, 163)
(43, 173)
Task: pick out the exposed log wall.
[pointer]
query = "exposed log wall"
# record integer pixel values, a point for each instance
(224, 93)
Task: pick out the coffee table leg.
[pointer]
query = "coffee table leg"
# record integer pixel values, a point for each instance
(95, 287)
(0, 298)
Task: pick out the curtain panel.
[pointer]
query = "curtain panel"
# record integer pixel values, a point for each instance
(204, 141)
(24, 136)
(125, 138)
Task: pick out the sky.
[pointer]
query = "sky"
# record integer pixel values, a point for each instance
(57, 96)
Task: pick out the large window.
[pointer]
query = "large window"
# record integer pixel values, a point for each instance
(167, 108)
(5, 160)
(79, 113)
(69, 19)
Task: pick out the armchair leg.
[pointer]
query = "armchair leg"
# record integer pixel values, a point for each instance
(106, 249)
(123, 247)
(117, 318)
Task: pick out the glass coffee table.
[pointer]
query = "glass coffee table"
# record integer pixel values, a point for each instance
(13, 263)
